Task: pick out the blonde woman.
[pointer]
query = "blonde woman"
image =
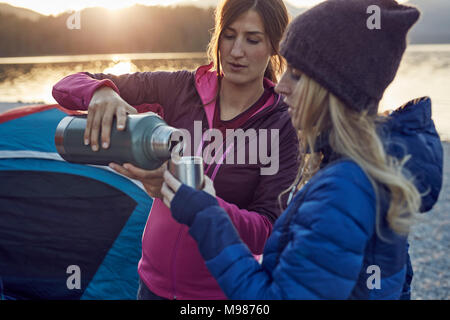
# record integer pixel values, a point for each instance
(344, 234)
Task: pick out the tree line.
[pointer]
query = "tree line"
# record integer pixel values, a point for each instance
(138, 29)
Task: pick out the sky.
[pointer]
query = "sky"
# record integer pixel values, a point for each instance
(57, 6)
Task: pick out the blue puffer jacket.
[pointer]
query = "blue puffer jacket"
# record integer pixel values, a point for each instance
(325, 245)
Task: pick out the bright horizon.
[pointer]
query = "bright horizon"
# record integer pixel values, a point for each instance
(48, 7)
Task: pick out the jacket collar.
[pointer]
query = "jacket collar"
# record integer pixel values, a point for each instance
(414, 115)
(206, 84)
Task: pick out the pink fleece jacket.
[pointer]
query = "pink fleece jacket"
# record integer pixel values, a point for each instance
(171, 265)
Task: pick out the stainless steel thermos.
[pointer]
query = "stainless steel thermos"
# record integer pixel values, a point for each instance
(146, 142)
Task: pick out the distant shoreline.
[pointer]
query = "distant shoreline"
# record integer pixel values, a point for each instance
(69, 58)
(52, 59)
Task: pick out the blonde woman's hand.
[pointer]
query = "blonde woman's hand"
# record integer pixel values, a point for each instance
(151, 179)
(209, 186)
(171, 186)
(104, 106)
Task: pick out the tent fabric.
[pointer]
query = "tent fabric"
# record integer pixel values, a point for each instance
(55, 215)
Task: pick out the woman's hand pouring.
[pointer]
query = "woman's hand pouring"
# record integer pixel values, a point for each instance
(151, 179)
(103, 107)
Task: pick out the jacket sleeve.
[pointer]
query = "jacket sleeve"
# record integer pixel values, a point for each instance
(253, 228)
(255, 224)
(322, 260)
(75, 91)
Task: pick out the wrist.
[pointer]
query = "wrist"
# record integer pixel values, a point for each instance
(187, 202)
(104, 88)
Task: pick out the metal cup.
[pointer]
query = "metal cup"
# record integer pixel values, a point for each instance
(189, 170)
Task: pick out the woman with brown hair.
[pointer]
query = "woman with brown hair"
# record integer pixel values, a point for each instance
(344, 234)
(235, 92)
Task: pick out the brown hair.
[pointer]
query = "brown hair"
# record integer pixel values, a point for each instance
(275, 20)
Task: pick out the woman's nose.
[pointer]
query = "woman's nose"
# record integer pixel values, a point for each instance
(237, 50)
(283, 87)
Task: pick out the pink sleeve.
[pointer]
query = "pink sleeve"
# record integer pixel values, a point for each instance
(75, 91)
(254, 228)
(150, 107)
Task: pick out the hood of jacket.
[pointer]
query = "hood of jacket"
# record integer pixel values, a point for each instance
(410, 130)
(206, 84)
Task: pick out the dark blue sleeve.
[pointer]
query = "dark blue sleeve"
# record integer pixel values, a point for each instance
(206, 219)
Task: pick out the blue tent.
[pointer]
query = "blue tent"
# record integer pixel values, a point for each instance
(67, 231)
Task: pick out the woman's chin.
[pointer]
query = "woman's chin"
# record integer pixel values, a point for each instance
(237, 79)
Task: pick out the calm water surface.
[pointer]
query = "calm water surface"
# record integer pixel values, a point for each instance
(425, 71)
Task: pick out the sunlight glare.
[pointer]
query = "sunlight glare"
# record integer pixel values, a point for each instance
(56, 6)
(308, 3)
(120, 68)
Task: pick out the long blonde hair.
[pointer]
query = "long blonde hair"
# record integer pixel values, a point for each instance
(352, 134)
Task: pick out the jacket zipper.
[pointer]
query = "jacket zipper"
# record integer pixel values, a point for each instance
(247, 125)
(174, 264)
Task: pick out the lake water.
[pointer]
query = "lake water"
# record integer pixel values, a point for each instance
(425, 71)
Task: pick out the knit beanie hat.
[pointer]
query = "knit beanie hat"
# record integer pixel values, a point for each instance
(333, 44)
